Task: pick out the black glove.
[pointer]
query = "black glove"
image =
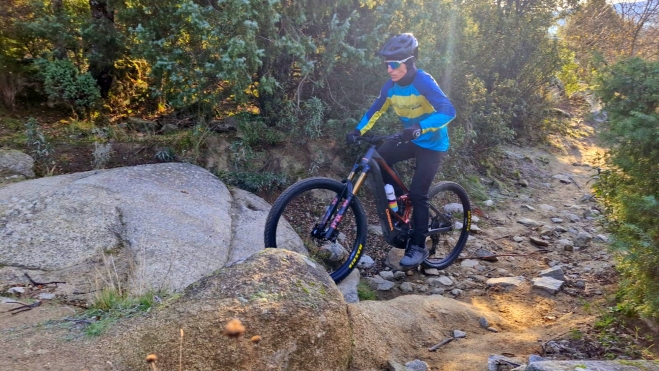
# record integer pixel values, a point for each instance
(411, 133)
(351, 137)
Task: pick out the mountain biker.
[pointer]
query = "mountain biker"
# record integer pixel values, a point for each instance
(425, 112)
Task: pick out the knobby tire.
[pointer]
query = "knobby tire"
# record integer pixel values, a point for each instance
(452, 243)
(304, 195)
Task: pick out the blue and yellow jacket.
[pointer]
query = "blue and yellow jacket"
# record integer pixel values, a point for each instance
(421, 102)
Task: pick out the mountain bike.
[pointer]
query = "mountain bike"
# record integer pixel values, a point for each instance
(330, 221)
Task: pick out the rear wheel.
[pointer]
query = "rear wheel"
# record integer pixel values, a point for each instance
(295, 223)
(450, 209)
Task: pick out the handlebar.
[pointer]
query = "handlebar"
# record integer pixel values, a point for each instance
(374, 139)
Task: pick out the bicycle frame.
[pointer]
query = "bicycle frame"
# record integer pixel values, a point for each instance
(395, 227)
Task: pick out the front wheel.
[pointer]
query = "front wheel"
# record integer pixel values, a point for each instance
(450, 212)
(295, 222)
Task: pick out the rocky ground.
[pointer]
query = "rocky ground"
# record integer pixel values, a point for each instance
(538, 256)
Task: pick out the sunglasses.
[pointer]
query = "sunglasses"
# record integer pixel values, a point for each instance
(396, 64)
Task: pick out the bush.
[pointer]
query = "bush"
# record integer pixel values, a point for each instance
(253, 181)
(304, 122)
(40, 148)
(629, 188)
(64, 83)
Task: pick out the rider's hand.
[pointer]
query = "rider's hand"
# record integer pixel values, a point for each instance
(351, 137)
(411, 133)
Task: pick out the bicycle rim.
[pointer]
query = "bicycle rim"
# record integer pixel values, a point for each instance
(300, 209)
(450, 207)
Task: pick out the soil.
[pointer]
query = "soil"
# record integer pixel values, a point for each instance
(578, 322)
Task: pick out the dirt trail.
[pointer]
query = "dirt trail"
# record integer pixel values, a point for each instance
(37, 339)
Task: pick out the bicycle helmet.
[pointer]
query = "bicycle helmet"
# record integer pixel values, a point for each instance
(400, 47)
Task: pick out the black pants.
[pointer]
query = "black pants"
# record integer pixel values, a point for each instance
(428, 163)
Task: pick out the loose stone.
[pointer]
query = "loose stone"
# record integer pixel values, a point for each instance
(417, 365)
(583, 239)
(538, 241)
(554, 272)
(547, 284)
(546, 208)
(506, 282)
(456, 292)
(399, 275)
(387, 275)
(469, 263)
(445, 280)
(16, 290)
(431, 272)
(458, 334)
(366, 262)
(436, 291)
(380, 283)
(601, 238)
(528, 222)
(562, 178)
(406, 287)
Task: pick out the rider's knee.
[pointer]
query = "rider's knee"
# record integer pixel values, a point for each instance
(416, 196)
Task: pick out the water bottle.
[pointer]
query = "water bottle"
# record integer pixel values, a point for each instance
(391, 196)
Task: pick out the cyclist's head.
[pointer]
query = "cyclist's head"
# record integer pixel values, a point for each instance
(399, 53)
(400, 47)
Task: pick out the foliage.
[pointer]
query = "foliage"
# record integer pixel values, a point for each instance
(39, 147)
(630, 186)
(254, 131)
(255, 182)
(111, 304)
(63, 82)
(306, 122)
(511, 59)
(365, 292)
(166, 154)
(130, 86)
(197, 53)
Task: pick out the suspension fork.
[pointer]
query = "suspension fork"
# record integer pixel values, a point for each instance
(351, 189)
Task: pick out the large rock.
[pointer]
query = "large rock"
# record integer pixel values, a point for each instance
(13, 162)
(282, 296)
(159, 226)
(410, 324)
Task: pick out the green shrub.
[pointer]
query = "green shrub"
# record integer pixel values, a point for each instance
(254, 131)
(365, 292)
(39, 147)
(111, 304)
(64, 83)
(306, 121)
(253, 181)
(629, 188)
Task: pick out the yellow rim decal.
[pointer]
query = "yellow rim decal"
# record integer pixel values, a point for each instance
(354, 260)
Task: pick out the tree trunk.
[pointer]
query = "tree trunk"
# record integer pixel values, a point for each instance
(102, 56)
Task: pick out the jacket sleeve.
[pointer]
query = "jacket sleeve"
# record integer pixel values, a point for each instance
(444, 110)
(377, 109)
